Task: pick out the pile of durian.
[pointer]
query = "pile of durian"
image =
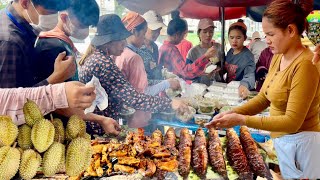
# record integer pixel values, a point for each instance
(43, 145)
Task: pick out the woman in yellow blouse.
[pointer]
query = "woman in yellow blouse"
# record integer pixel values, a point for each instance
(291, 89)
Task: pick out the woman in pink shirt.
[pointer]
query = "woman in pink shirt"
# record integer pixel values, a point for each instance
(132, 66)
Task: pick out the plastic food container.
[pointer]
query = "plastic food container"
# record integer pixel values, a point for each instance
(206, 107)
(127, 113)
(208, 114)
(172, 93)
(168, 116)
(186, 116)
(201, 119)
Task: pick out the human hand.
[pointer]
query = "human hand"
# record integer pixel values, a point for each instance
(261, 74)
(316, 56)
(243, 91)
(64, 68)
(179, 105)
(211, 52)
(109, 125)
(227, 120)
(174, 83)
(79, 95)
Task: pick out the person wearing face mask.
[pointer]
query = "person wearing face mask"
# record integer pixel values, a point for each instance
(74, 22)
(17, 37)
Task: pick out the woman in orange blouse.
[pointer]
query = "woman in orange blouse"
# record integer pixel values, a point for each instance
(292, 96)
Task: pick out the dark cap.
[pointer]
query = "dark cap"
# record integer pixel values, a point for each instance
(110, 28)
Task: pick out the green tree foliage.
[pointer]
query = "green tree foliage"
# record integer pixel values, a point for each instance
(119, 9)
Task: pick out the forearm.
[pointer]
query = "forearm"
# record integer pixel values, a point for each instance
(157, 88)
(48, 98)
(191, 71)
(68, 112)
(284, 123)
(42, 83)
(253, 106)
(248, 81)
(129, 96)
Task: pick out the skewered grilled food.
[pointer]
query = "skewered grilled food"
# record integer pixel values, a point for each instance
(170, 141)
(184, 152)
(254, 157)
(236, 156)
(200, 154)
(216, 154)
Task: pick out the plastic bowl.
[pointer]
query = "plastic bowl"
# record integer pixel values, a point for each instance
(127, 113)
(201, 119)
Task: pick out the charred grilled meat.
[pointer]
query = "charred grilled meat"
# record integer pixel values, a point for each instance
(236, 156)
(147, 167)
(254, 157)
(123, 168)
(170, 141)
(184, 152)
(216, 154)
(200, 154)
(167, 164)
(170, 138)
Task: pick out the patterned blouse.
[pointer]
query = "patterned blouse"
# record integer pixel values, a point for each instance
(119, 90)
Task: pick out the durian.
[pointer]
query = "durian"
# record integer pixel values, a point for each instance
(42, 135)
(86, 136)
(24, 137)
(8, 131)
(53, 159)
(59, 135)
(32, 113)
(78, 158)
(9, 162)
(30, 162)
(75, 126)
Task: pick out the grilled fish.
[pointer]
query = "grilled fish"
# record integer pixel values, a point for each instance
(236, 156)
(216, 154)
(170, 138)
(170, 141)
(254, 157)
(184, 152)
(200, 154)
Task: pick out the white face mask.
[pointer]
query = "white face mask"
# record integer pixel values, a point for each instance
(46, 22)
(76, 32)
(29, 15)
